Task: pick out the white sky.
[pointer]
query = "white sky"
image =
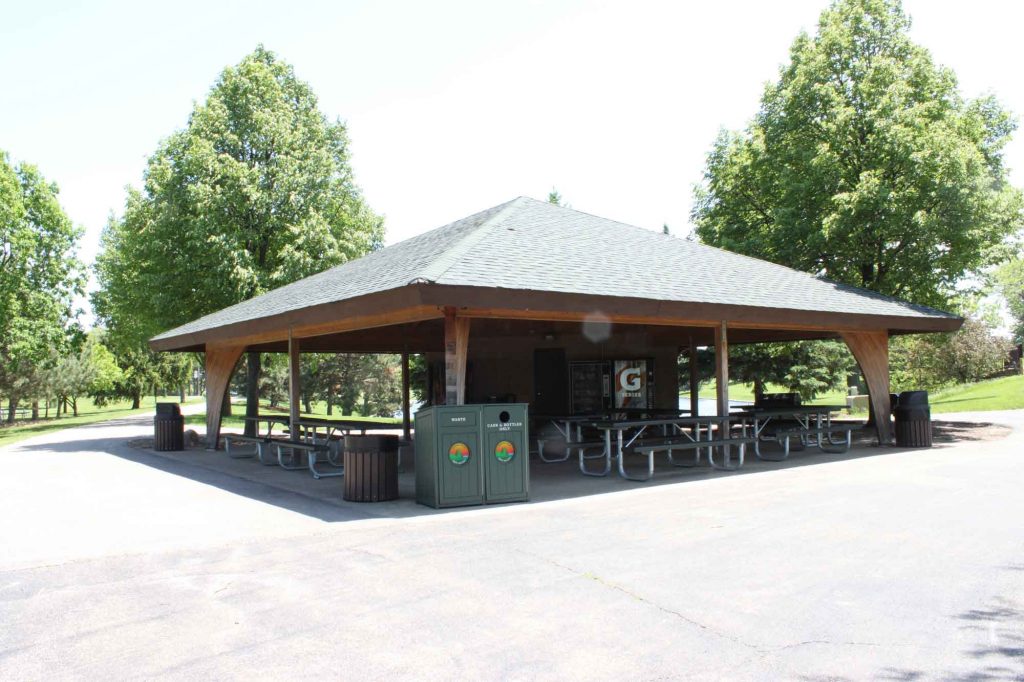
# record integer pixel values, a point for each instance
(452, 107)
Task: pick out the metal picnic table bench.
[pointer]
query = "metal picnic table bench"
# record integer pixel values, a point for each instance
(259, 441)
(332, 440)
(570, 427)
(800, 427)
(680, 433)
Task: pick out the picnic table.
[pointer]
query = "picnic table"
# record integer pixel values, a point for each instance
(570, 427)
(270, 420)
(261, 442)
(809, 425)
(305, 442)
(334, 432)
(650, 436)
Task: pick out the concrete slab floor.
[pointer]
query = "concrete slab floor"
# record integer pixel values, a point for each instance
(897, 565)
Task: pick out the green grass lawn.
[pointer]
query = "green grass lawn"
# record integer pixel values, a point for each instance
(1006, 393)
(739, 391)
(237, 418)
(88, 413)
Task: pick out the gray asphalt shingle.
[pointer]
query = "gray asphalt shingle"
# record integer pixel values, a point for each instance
(527, 244)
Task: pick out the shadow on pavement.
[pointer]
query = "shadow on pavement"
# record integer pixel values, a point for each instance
(997, 630)
(297, 491)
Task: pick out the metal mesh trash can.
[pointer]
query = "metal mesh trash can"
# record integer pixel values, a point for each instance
(371, 468)
(913, 420)
(168, 428)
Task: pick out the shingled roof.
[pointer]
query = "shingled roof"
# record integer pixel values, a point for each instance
(530, 245)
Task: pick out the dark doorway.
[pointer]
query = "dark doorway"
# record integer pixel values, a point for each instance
(550, 381)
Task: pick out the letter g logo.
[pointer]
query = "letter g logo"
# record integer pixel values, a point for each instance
(629, 379)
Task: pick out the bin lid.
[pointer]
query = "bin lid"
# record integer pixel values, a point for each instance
(381, 442)
(168, 410)
(914, 399)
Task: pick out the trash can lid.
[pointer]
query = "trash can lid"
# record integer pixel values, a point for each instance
(914, 398)
(365, 443)
(168, 409)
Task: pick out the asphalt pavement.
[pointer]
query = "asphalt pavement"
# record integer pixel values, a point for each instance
(898, 564)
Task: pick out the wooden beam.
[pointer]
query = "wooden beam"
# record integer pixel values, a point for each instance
(294, 385)
(694, 376)
(220, 364)
(871, 350)
(722, 368)
(267, 330)
(548, 305)
(456, 345)
(417, 302)
(406, 401)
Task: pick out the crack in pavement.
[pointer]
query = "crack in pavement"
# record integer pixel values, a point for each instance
(633, 595)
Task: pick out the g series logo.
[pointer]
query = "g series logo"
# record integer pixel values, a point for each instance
(630, 379)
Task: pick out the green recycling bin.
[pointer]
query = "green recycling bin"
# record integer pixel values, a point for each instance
(472, 454)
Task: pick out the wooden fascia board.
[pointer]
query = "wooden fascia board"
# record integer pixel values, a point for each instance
(569, 307)
(396, 306)
(418, 302)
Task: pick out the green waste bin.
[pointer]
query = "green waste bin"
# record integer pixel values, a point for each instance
(472, 454)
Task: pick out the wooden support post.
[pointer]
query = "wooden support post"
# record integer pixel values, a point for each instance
(722, 368)
(871, 350)
(694, 381)
(294, 384)
(456, 345)
(406, 417)
(220, 364)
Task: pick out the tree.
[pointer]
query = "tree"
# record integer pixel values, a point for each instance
(256, 192)
(139, 370)
(804, 367)
(970, 354)
(554, 197)
(865, 164)
(92, 370)
(39, 277)
(1009, 281)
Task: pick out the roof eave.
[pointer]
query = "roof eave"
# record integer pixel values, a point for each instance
(421, 301)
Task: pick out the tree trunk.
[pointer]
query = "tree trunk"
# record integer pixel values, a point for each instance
(46, 408)
(252, 392)
(758, 390)
(225, 407)
(12, 406)
(74, 406)
(181, 393)
(306, 403)
(137, 400)
(35, 410)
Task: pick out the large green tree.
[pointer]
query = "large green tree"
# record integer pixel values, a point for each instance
(39, 278)
(255, 192)
(804, 367)
(865, 164)
(1009, 281)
